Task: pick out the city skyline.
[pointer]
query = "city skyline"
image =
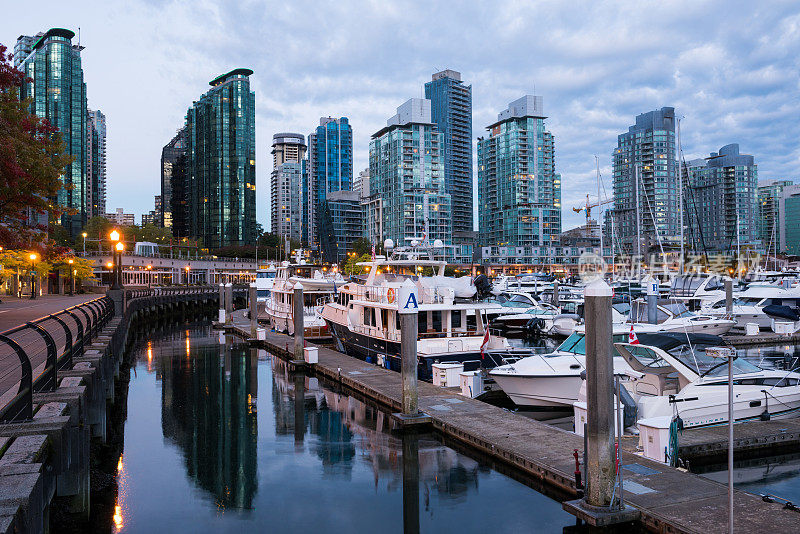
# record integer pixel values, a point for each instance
(731, 87)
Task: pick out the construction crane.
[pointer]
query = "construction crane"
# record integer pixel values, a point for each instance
(588, 208)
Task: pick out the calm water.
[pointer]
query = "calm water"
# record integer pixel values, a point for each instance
(776, 475)
(221, 438)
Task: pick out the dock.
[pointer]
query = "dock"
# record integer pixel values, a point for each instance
(669, 499)
(763, 338)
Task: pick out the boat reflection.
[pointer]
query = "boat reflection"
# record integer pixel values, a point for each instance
(208, 410)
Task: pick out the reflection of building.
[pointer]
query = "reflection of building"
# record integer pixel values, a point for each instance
(347, 429)
(207, 410)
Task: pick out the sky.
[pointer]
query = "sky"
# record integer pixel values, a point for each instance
(731, 69)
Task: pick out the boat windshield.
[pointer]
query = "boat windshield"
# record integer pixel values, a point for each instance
(696, 359)
(266, 274)
(576, 343)
(678, 310)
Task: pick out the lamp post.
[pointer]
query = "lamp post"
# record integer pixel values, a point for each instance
(71, 277)
(114, 236)
(149, 275)
(84, 243)
(118, 278)
(33, 275)
(187, 275)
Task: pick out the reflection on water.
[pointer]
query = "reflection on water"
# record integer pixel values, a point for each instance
(205, 453)
(775, 475)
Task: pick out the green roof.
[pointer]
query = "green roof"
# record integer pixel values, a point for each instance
(219, 79)
(54, 32)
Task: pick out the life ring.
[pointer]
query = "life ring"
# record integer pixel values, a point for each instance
(390, 295)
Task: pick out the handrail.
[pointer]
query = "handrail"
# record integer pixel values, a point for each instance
(88, 324)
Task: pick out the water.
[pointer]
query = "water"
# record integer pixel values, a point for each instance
(775, 475)
(221, 438)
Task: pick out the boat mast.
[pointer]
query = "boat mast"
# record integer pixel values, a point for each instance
(680, 194)
(599, 206)
(638, 222)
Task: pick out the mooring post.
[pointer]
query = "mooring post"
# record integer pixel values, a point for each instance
(228, 303)
(651, 288)
(409, 319)
(299, 324)
(221, 317)
(253, 298)
(599, 395)
(555, 293)
(729, 297)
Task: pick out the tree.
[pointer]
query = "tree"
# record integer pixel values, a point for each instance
(32, 161)
(351, 266)
(362, 246)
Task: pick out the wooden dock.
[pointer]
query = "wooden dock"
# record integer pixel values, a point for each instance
(669, 499)
(763, 338)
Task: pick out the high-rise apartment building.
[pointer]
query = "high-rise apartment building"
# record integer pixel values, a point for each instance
(173, 185)
(341, 224)
(407, 172)
(330, 168)
(96, 162)
(769, 194)
(519, 192)
(288, 182)
(58, 93)
(451, 111)
(646, 183)
(789, 220)
(722, 200)
(120, 218)
(221, 157)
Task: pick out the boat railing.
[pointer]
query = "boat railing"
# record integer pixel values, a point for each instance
(388, 295)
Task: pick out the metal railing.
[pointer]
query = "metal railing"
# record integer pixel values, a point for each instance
(61, 337)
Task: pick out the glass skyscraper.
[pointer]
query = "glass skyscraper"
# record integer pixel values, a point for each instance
(341, 223)
(519, 192)
(407, 172)
(646, 176)
(58, 94)
(330, 168)
(769, 194)
(173, 185)
(96, 162)
(451, 111)
(221, 154)
(722, 200)
(288, 185)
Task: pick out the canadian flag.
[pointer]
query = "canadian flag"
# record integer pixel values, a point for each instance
(632, 339)
(485, 342)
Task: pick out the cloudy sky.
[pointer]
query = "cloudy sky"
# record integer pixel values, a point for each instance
(731, 69)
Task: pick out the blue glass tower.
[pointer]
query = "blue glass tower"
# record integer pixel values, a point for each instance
(330, 167)
(451, 111)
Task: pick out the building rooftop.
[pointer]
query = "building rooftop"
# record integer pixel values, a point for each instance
(224, 77)
(527, 106)
(54, 32)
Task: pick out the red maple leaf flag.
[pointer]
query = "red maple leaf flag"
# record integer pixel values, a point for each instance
(632, 339)
(485, 341)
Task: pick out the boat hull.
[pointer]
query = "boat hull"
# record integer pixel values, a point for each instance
(543, 392)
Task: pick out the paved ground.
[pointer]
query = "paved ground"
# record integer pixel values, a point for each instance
(14, 311)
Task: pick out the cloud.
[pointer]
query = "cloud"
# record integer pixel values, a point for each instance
(729, 68)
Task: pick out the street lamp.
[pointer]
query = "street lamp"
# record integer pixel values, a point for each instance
(33, 275)
(71, 277)
(84, 243)
(120, 246)
(187, 275)
(149, 275)
(114, 236)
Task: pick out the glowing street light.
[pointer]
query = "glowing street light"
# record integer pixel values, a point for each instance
(33, 275)
(71, 277)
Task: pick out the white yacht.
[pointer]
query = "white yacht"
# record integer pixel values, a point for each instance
(677, 377)
(550, 381)
(675, 317)
(317, 289)
(697, 290)
(526, 282)
(748, 305)
(364, 322)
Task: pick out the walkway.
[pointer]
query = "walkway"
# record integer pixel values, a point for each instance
(15, 311)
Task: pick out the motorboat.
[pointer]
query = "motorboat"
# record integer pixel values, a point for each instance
(364, 321)
(748, 305)
(318, 288)
(537, 319)
(673, 316)
(525, 282)
(697, 290)
(678, 377)
(549, 381)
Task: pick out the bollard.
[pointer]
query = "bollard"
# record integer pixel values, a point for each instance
(409, 319)
(253, 298)
(228, 303)
(299, 324)
(729, 297)
(221, 317)
(599, 395)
